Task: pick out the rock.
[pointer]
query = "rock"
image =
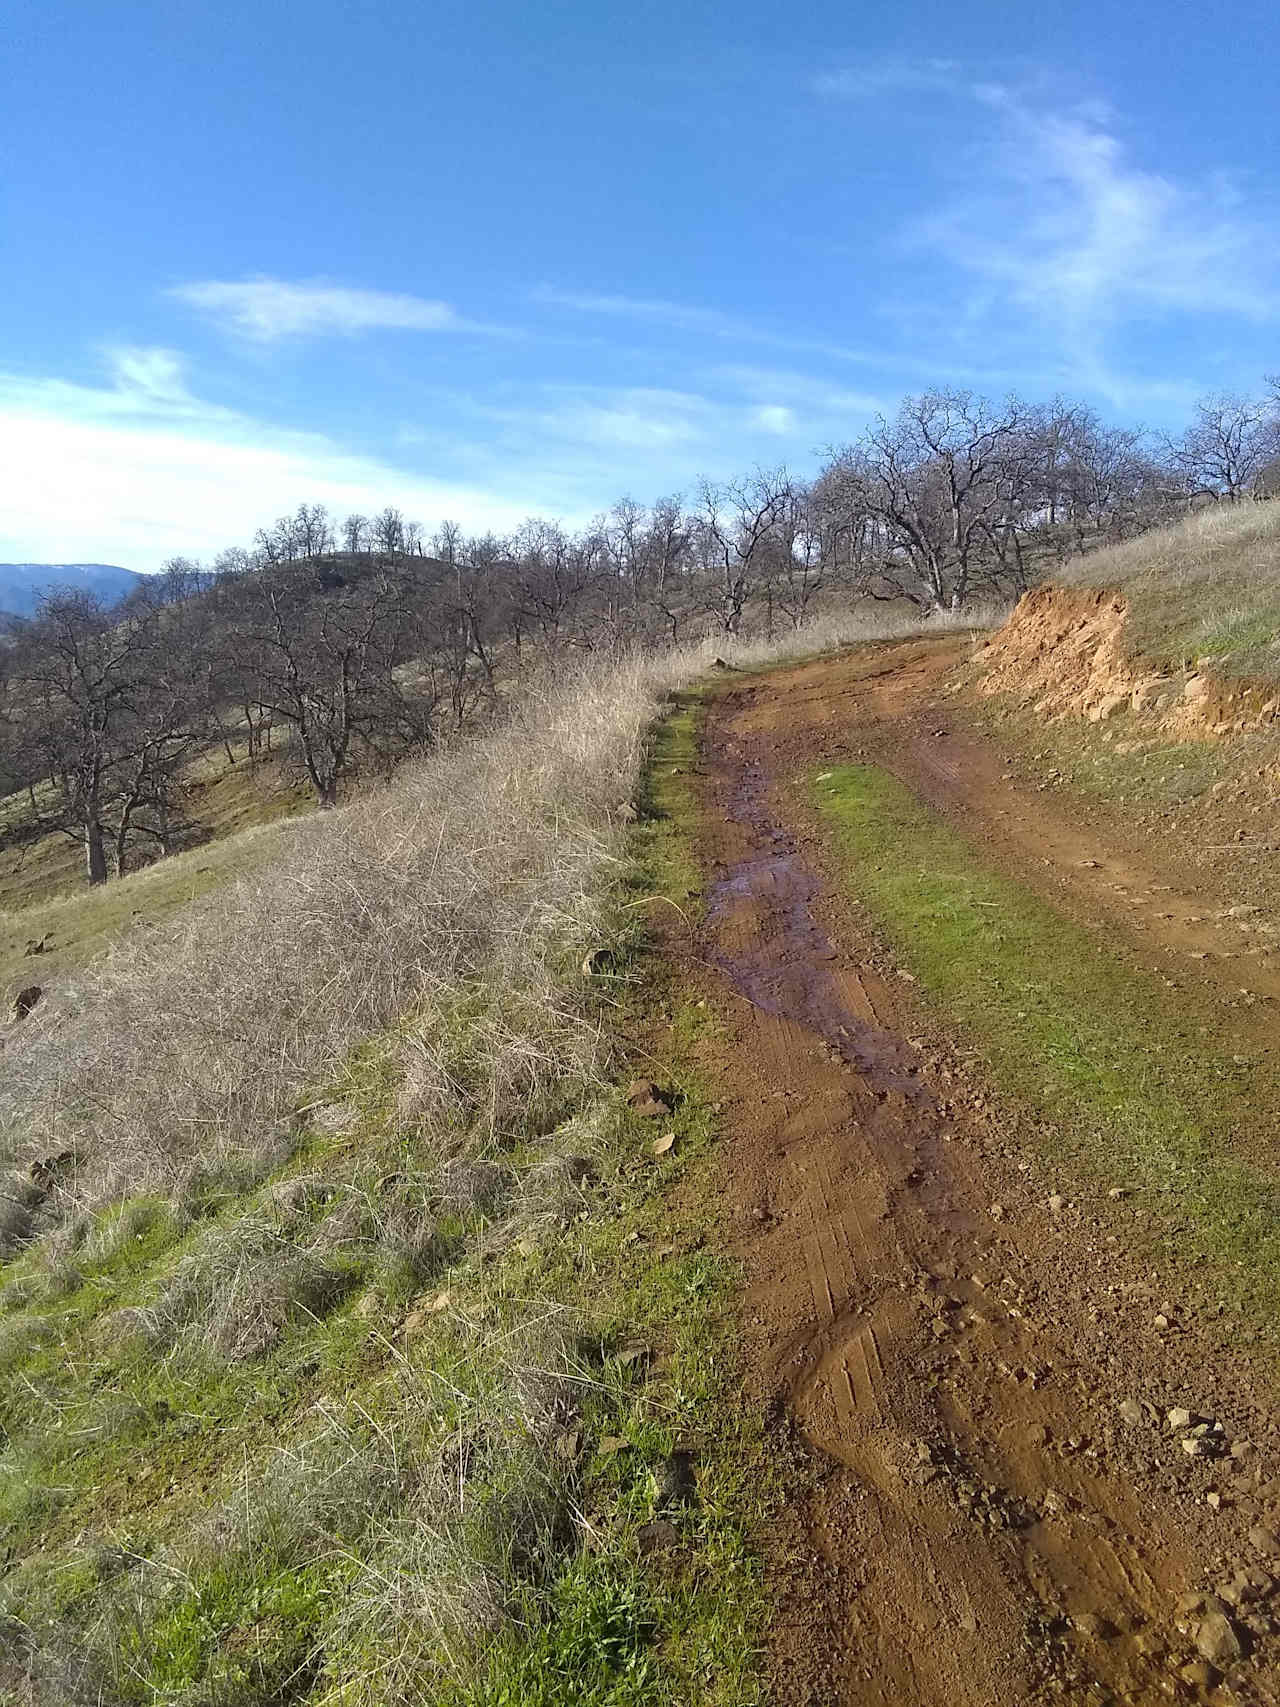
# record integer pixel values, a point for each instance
(1117, 1192)
(1145, 695)
(1192, 1447)
(1160, 1323)
(1131, 1411)
(1198, 1674)
(1108, 705)
(645, 1099)
(660, 1536)
(1221, 1640)
(25, 1000)
(1264, 1541)
(1089, 1624)
(1178, 1417)
(1056, 1203)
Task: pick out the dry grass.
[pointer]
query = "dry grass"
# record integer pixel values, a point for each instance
(1208, 586)
(192, 1045)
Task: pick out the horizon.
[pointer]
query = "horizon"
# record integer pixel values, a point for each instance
(485, 264)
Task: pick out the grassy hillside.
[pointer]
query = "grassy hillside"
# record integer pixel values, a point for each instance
(1207, 587)
(45, 904)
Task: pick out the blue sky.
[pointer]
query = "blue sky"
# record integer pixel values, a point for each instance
(487, 260)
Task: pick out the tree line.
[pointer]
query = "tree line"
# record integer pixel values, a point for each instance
(352, 642)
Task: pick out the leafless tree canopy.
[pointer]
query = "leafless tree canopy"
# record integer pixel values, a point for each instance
(351, 643)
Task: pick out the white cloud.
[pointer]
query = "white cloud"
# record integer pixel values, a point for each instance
(774, 418)
(138, 470)
(267, 309)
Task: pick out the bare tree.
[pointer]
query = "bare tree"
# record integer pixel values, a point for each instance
(735, 525)
(101, 710)
(323, 658)
(1227, 446)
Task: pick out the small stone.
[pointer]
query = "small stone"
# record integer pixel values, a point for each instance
(1220, 1640)
(1192, 1447)
(1199, 1674)
(1117, 1192)
(1131, 1411)
(1264, 1541)
(1213, 1499)
(660, 1536)
(1057, 1203)
(645, 1099)
(1161, 1322)
(1089, 1624)
(1178, 1417)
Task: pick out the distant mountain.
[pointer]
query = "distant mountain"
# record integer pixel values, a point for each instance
(22, 583)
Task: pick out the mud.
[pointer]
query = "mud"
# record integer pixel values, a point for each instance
(973, 1518)
(787, 971)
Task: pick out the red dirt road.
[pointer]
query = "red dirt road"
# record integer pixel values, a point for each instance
(969, 1386)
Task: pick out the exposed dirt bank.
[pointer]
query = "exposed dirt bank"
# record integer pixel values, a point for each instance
(990, 1506)
(1065, 651)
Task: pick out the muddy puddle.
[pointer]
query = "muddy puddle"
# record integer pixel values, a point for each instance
(773, 950)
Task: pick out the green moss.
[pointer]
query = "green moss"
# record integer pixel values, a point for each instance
(1137, 1091)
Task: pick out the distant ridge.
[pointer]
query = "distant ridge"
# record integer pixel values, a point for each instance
(22, 583)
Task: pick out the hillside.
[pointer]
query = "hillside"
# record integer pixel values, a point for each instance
(21, 584)
(751, 1179)
(1208, 587)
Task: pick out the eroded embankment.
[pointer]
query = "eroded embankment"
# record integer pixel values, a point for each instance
(1065, 651)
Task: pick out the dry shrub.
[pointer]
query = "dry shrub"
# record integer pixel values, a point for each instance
(480, 866)
(239, 1291)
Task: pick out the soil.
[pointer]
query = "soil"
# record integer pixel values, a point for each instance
(967, 1372)
(1066, 650)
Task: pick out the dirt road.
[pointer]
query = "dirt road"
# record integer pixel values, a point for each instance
(987, 1504)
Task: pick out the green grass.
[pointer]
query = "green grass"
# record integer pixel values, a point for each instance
(201, 1526)
(1120, 761)
(1137, 1090)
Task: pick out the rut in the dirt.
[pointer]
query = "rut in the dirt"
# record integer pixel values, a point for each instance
(977, 1524)
(789, 973)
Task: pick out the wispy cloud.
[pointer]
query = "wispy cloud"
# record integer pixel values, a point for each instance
(267, 309)
(679, 316)
(1073, 225)
(702, 321)
(1055, 248)
(887, 77)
